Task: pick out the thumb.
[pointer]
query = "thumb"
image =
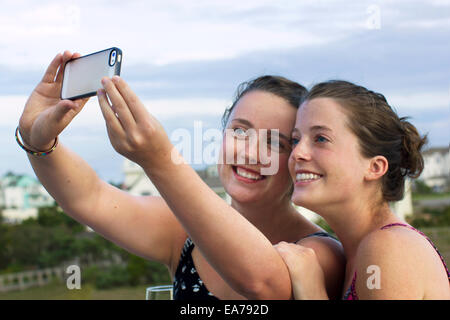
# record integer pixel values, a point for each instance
(59, 117)
(65, 111)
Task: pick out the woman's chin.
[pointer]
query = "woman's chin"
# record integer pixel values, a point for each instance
(245, 196)
(304, 200)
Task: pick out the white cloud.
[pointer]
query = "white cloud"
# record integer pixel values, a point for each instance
(438, 100)
(12, 108)
(425, 23)
(158, 32)
(440, 3)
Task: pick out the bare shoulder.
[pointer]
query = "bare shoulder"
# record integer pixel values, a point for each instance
(402, 260)
(324, 245)
(395, 238)
(331, 257)
(395, 241)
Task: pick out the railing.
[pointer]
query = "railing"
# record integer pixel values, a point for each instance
(24, 280)
(27, 279)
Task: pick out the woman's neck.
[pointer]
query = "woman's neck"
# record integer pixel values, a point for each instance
(354, 221)
(277, 220)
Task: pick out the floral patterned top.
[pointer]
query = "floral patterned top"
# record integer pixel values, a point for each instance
(187, 284)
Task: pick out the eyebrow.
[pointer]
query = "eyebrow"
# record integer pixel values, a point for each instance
(314, 128)
(249, 124)
(318, 127)
(243, 121)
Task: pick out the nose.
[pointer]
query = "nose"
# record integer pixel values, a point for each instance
(301, 151)
(247, 150)
(252, 149)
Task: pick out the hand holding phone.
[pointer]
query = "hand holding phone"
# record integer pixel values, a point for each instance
(45, 115)
(82, 75)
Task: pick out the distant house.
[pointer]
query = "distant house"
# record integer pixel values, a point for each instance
(137, 183)
(436, 173)
(21, 195)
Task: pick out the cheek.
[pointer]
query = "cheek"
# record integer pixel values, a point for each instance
(283, 174)
(220, 170)
(346, 174)
(283, 160)
(291, 167)
(227, 151)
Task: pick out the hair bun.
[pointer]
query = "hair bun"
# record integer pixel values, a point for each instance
(412, 161)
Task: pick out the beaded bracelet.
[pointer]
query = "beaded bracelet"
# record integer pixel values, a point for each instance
(34, 153)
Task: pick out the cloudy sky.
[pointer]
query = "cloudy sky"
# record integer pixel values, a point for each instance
(186, 58)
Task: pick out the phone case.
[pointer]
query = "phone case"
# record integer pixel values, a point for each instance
(82, 75)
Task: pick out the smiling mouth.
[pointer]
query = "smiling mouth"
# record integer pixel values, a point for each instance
(307, 177)
(246, 175)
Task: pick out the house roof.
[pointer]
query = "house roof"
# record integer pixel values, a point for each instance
(12, 180)
(441, 150)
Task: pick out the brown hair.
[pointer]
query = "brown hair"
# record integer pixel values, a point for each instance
(379, 131)
(291, 91)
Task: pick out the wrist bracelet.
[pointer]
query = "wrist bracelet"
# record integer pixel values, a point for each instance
(35, 153)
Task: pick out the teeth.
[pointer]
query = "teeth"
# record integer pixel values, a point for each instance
(306, 176)
(247, 174)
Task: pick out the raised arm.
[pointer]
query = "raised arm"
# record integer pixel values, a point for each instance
(235, 248)
(142, 225)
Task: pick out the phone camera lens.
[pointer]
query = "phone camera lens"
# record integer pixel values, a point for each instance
(112, 58)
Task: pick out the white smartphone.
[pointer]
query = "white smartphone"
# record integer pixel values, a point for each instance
(82, 75)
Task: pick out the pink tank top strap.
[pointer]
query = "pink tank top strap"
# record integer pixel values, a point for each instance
(354, 295)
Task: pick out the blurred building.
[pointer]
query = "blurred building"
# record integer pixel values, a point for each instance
(21, 195)
(137, 183)
(436, 173)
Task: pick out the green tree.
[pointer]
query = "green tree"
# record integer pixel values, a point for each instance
(421, 187)
(55, 216)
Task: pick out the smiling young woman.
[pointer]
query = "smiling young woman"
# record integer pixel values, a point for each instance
(351, 156)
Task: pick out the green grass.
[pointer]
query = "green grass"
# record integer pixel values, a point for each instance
(441, 239)
(416, 196)
(59, 291)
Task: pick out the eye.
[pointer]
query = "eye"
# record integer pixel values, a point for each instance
(294, 142)
(240, 133)
(321, 139)
(275, 144)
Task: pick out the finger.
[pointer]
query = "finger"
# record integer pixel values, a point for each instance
(112, 122)
(67, 55)
(279, 244)
(136, 107)
(50, 73)
(119, 104)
